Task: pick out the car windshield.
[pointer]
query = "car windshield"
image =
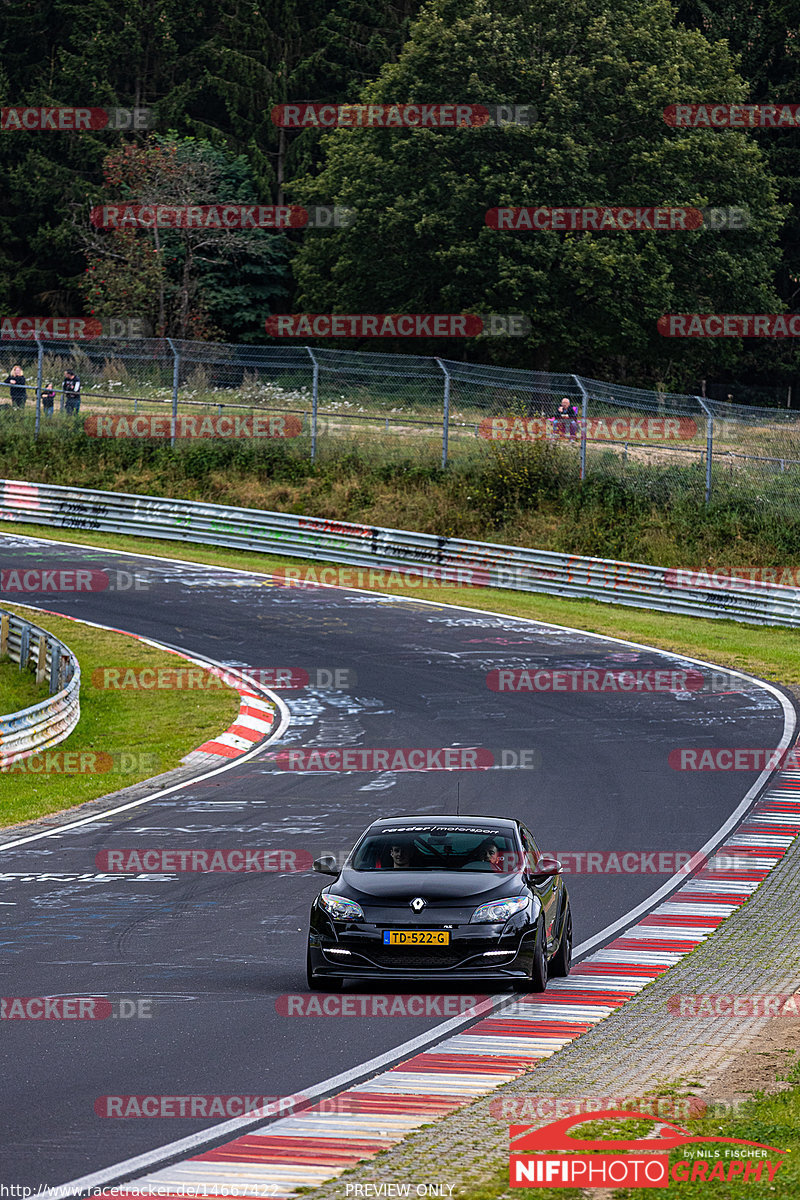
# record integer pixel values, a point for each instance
(438, 849)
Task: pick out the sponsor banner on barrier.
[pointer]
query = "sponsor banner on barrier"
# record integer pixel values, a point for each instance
(397, 325)
(727, 1004)
(594, 680)
(229, 861)
(420, 758)
(630, 219)
(732, 758)
(313, 115)
(730, 325)
(369, 1005)
(74, 120)
(602, 429)
(159, 425)
(733, 116)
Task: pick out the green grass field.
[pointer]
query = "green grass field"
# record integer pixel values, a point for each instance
(126, 735)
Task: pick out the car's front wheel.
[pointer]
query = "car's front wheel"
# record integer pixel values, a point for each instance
(320, 983)
(537, 980)
(561, 961)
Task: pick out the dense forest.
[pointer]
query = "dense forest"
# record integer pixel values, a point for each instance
(598, 74)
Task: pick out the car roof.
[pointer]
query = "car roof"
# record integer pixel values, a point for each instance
(435, 820)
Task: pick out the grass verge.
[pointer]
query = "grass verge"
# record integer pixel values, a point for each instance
(122, 737)
(19, 689)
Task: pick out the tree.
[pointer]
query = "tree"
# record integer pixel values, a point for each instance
(600, 75)
(194, 282)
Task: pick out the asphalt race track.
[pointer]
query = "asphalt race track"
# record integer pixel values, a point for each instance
(213, 952)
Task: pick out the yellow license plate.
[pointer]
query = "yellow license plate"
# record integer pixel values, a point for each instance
(416, 937)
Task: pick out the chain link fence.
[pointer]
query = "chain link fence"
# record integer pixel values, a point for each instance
(394, 407)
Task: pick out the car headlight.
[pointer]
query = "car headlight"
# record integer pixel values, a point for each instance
(498, 911)
(341, 909)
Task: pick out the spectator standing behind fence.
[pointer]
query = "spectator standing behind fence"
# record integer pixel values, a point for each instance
(566, 418)
(48, 399)
(72, 393)
(17, 389)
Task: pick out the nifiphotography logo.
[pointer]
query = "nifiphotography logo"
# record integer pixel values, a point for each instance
(607, 1163)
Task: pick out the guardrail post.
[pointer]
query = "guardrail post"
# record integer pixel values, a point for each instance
(445, 412)
(55, 669)
(314, 403)
(4, 624)
(39, 365)
(24, 646)
(176, 366)
(709, 443)
(41, 659)
(584, 422)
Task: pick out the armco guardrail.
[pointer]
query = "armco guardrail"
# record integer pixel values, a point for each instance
(478, 564)
(33, 729)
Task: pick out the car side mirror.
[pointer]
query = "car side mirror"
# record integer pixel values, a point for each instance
(547, 866)
(326, 865)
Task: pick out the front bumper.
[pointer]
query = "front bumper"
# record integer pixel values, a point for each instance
(473, 953)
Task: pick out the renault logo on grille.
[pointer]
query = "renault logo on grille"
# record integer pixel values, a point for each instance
(417, 904)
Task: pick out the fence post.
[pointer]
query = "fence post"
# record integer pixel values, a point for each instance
(709, 443)
(39, 363)
(445, 412)
(176, 366)
(314, 403)
(584, 421)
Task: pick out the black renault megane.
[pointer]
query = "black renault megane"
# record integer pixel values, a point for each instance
(441, 898)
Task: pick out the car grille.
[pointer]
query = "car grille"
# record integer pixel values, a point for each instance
(408, 957)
